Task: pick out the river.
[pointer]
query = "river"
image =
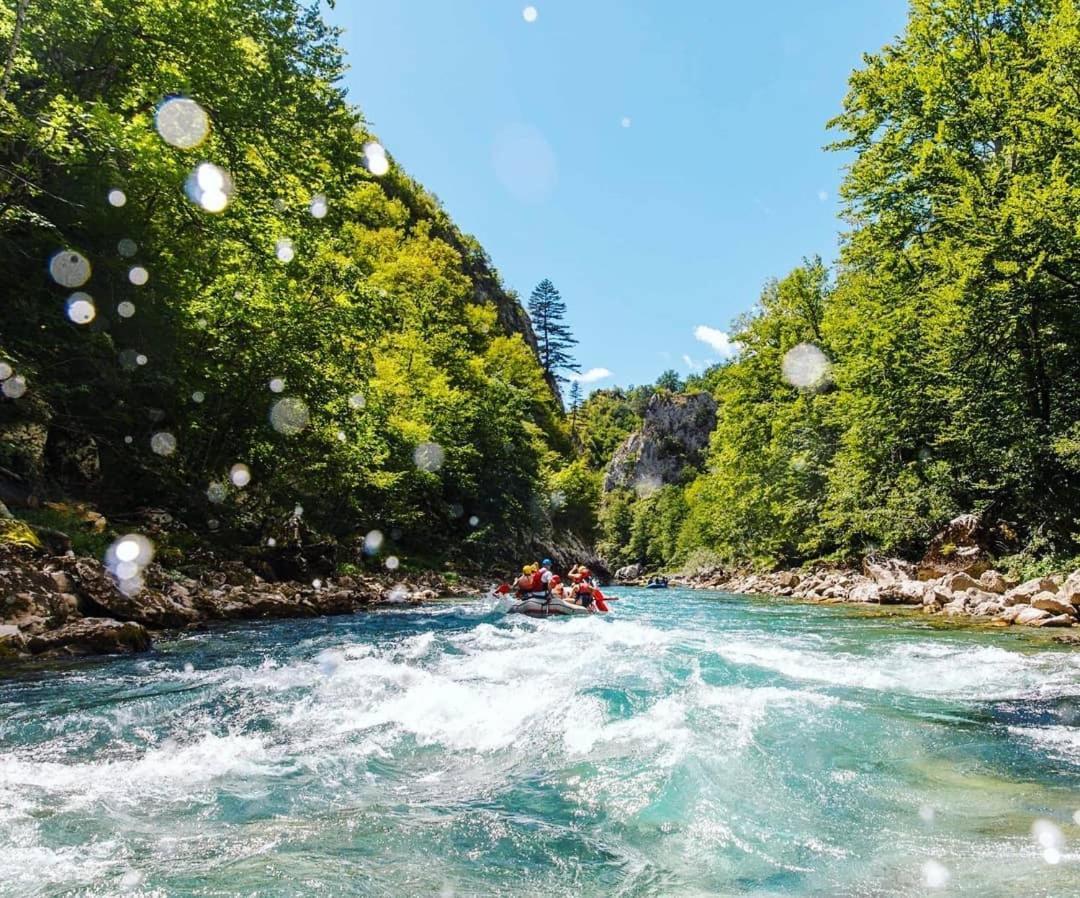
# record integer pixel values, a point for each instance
(686, 744)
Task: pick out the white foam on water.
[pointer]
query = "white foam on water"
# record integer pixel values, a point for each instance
(1059, 742)
(166, 773)
(935, 670)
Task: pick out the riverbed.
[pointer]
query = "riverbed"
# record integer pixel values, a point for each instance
(686, 744)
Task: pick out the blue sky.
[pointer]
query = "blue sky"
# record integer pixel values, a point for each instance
(658, 160)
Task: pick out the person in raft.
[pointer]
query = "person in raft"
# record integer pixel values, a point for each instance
(530, 580)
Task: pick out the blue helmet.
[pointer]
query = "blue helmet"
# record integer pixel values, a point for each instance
(547, 562)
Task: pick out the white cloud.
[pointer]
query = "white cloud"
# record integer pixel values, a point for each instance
(691, 364)
(721, 343)
(591, 376)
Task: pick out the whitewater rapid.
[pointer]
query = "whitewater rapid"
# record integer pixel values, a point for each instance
(685, 744)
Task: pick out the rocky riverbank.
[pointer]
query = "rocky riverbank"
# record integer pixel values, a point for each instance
(989, 597)
(59, 605)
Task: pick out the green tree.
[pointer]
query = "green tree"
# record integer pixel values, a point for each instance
(669, 380)
(548, 311)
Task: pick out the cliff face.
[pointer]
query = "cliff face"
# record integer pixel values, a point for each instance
(674, 435)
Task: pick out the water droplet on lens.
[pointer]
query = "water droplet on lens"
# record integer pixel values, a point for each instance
(209, 186)
(182, 123)
(117, 198)
(357, 401)
(530, 14)
(474, 521)
(373, 542)
(13, 387)
(125, 309)
(277, 385)
(935, 875)
(392, 563)
(626, 121)
(284, 251)
(318, 207)
(240, 475)
(375, 158)
(163, 443)
(5, 371)
(806, 367)
(80, 308)
(289, 416)
(140, 359)
(429, 457)
(69, 268)
(138, 276)
(127, 247)
(216, 493)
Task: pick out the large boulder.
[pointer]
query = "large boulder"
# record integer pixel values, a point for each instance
(92, 636)
(964, 544)
(1028, 615)
(887, 571)
(1048, 601)
(100, 596)
(1058, 620)
(674, 435)
(864, 592)
(1025, 592)
(959, 582)
(629, 573)
(994, 582)
(1070, 589)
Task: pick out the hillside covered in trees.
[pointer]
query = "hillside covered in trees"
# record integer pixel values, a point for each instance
(933, 370)
(222, 297)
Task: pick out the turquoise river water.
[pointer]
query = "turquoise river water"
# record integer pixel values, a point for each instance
(686, 744)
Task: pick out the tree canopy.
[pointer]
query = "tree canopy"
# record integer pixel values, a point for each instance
(944, 343)
(263, 287)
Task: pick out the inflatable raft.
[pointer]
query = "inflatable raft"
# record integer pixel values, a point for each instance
(542, 604)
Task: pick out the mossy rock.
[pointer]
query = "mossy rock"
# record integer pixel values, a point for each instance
(19, 533)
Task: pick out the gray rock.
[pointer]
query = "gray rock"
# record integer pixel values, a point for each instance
(674, 434)
(993, 582)
(1025, 592)
(1058, 620)
(1048, 601)
(959, 581)
(1070, 589)
(888, 571)
(1028, 615)
(92, 636)
(628, 573)
(866, 592)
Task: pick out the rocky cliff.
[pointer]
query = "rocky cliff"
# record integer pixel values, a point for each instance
(674, 435)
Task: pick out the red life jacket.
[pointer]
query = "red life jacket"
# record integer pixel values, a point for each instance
(537, 582)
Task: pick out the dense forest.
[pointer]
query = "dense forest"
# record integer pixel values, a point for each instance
(222, 297)
(933, 370)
